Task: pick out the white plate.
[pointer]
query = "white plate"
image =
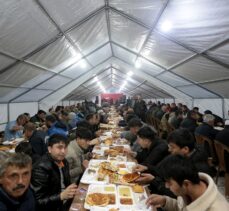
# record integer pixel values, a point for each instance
(6, 143)
(92, 178)
(108, 133)
(89, 178)
(118, 158)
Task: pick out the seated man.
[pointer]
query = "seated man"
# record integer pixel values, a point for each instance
(15, 174)
(26, 148)
(222, 136)
(194, 191)
(14, 129)
(134, 126)
(190, 121)
(181, 142)
(39, 118)
(207, 128)
(77, 156)
(153, 150)
(90, 122)
(36, 138)
(55, 127)
(51, 179)
(218, 120)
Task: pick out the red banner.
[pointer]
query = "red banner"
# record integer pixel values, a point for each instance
(111, 96)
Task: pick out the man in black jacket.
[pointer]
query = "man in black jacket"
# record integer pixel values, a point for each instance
(38, 118)
(36, 138)
(15, 173)
(51, 179)
(207, 128)
(181, 142)
(153, 149)
(190, 121)
(90, 122)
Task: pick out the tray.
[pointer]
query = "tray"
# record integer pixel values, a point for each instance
(102, 189)
(138, 205)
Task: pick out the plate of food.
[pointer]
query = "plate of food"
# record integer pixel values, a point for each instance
(5, 148)
(101, 196)
(101, 172)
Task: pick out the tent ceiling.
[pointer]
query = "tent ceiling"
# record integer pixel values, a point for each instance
(54, 47)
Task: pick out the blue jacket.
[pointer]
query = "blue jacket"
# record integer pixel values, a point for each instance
(24, 203)
(58, 128)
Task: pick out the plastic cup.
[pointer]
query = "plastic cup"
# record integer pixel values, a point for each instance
(76, 207)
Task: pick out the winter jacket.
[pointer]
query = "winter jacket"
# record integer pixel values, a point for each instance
(46, 183)
(25, 203)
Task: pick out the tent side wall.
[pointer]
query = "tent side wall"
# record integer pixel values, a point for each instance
(214, 105)
(10, 111)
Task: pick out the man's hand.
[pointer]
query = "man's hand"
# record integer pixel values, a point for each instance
(17, 127)
(44, 128)
(129, 152)
(156, 201)
(94, 141)
(85, 164)
(69, 192)
(145, 179)
(98, 133)
(139, 168)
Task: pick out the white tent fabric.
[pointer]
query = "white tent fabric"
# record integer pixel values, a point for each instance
(51, 50)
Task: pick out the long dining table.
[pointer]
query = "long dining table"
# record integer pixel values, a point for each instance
(79, 199)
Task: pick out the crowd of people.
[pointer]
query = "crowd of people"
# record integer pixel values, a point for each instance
(44, 172)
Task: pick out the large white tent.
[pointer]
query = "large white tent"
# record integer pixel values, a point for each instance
(52, 50)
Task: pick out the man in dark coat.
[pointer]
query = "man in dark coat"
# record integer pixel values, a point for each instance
(207, 128)
(38, 118)
(181, 142)
(51, 178)
(153, 149)
(140, 108)
(36, 138)
(223, 135)
(15, 194)
(190, 121)
(90, 122)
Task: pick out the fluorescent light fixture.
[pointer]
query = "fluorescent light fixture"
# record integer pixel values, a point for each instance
(129, 79)
(82, 63)
(130, 73)
(138, 63)
(146, 52)
(102, 88)
(166, 26)
(123, 85)
(74, 53)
